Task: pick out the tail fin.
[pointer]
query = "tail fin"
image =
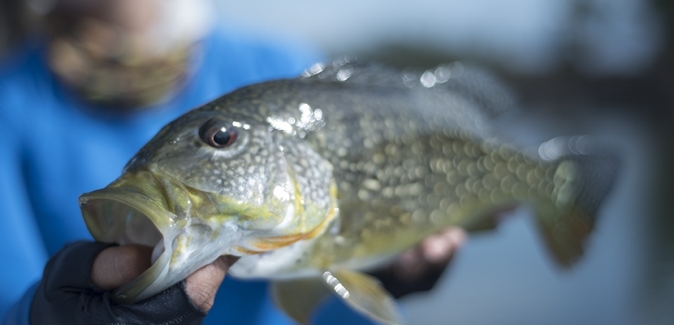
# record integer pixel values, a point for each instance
(581, 183)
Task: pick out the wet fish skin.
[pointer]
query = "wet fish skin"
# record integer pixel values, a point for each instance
(339, 170)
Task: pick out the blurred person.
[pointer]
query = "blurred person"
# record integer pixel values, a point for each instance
(13, 24)
(76, 104)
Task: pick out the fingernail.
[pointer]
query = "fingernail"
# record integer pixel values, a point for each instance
(457, 236)
(437, 248)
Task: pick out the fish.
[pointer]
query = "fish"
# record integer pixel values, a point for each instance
(316, 180)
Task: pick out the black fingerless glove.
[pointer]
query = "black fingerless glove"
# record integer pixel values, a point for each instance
(67, 296)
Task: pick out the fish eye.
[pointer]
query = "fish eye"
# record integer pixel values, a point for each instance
(218, 134)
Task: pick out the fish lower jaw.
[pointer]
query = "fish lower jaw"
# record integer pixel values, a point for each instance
(181, 245)
(175, 258)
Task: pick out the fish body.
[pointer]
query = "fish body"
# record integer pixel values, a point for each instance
(312, 180)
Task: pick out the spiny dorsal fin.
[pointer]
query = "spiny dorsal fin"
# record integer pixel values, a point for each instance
(475, 83)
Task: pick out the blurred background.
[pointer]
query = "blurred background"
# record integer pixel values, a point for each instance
(603, 67)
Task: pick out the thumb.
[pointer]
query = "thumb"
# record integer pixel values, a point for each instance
(202, 285)
(117, 266)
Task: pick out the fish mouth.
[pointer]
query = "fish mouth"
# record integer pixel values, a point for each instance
(114, 216)
(138, 209)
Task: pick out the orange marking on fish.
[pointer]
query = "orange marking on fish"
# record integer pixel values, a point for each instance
(270, 243)
(332, 213)
(321, 227)
(246, 250)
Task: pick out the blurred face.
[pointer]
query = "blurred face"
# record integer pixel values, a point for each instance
(132, 15)
(126, 53)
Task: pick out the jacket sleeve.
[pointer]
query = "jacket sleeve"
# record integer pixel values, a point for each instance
(22, 252)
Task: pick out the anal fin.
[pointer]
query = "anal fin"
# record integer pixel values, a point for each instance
(299, 298)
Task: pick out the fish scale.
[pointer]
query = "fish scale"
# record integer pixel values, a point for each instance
(391, 138)
(436, 189)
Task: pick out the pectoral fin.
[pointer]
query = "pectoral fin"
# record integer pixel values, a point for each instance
(365, 295)
(299, 298)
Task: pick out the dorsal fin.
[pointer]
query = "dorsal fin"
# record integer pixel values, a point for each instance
(476, 83)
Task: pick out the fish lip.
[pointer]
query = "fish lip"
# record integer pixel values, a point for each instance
(105, 226)
(101, 224)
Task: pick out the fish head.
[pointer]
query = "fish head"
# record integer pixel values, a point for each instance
(213, 182)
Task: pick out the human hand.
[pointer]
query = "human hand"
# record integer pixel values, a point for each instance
(118, 265)
(75, 288)
(420, 267)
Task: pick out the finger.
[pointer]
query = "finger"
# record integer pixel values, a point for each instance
(203, 284)
(409, 264)
(117, 266)
(438, 249)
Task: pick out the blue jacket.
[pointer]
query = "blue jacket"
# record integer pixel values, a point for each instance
(54, 147)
